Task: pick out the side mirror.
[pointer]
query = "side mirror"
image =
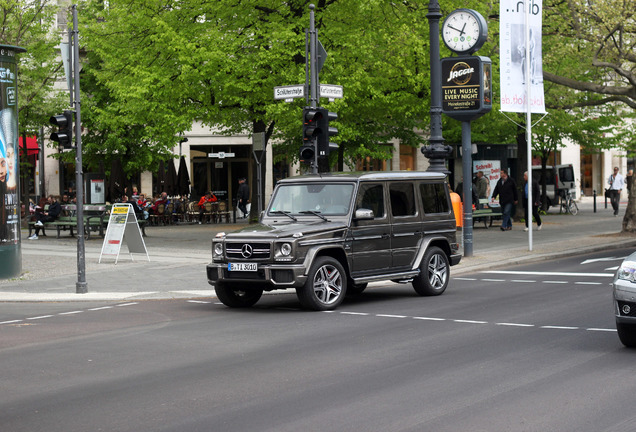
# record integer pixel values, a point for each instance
(363, 214)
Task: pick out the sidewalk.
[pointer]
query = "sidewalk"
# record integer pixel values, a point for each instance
(178, 255)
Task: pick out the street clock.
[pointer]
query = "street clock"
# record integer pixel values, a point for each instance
(464, 31)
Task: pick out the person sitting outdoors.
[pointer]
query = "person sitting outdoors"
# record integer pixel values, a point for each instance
(47, 216)
(209, 197)
(138, 211)
(143, 204)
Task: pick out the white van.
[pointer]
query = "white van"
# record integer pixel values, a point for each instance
(560, 177)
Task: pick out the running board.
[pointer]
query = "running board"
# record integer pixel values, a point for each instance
(402, 277)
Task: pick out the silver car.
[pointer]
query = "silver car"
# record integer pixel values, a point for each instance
(625, 301)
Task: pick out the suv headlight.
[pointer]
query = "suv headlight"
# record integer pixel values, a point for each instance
(285, 249)
(218, 249)
(627, 271)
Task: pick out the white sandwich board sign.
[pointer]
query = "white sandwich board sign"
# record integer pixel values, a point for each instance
(122, 224)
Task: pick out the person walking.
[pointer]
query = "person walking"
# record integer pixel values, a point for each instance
(536, 201)
(616, 184)
(506, 188)
(243, 196)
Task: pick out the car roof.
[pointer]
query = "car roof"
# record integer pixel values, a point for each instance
(366, 176)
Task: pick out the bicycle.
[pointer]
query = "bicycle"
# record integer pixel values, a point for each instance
(568, 205)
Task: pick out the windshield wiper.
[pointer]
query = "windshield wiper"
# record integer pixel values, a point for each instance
(315, 213)
(285, 212)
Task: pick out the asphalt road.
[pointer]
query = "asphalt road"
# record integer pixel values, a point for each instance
(529, 348)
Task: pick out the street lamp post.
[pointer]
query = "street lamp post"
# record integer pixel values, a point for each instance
(436, 151)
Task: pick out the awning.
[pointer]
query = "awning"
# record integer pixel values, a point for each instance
(32, 146)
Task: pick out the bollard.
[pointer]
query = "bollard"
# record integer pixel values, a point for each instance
(605, 198)
(594, 200)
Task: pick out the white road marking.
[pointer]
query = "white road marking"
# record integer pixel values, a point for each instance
(198, 301)
(355, 313)
(515, 324)
(470, 321)
(70, 313)
(10, 322)
(592, 260)
(40, 317)
(538, 273)
(556, 282)
(587, 283)
(465, 279)
(494, 280)
(601, 329)
(391, 316)
(101, 308)
(429, 319)
(559, 327)
(523, 281)
(126, 304)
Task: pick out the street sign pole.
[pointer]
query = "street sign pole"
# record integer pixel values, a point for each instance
(313, 70)
(81, 286)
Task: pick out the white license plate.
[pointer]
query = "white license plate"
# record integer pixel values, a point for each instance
(251, 267)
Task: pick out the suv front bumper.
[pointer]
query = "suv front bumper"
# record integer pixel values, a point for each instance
(277, 276)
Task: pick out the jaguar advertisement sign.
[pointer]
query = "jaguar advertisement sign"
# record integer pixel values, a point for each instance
(466, 87)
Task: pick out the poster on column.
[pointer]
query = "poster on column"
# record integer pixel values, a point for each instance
(9, 151)
(512, 55)
(491, 169)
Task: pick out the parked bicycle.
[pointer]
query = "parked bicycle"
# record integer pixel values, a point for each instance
(568, 204)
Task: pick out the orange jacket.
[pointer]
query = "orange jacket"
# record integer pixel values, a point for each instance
(203, 200)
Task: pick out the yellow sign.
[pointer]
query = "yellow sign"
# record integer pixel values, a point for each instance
(122, 210)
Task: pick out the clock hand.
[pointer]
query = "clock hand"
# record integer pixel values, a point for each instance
(461, 32)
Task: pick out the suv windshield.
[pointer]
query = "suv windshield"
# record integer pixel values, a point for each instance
(326, 199)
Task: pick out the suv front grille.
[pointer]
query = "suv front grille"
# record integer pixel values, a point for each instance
(248, 251)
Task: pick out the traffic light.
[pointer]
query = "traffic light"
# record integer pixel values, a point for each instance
(311, 118)
(325, 131)
(64, 134)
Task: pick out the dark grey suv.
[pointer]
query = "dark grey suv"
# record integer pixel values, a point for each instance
(330, 234)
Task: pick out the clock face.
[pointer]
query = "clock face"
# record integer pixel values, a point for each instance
(464, 31)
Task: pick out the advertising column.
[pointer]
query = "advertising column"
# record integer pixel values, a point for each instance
(10, 256)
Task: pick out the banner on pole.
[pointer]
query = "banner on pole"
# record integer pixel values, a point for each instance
(512, 54)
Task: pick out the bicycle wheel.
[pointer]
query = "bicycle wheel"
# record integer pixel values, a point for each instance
(573, 209)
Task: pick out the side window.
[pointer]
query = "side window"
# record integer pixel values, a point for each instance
(402, 199)
(434, 198)
(566, 174)
(371, 196)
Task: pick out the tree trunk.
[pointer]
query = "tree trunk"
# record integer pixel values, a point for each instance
(629, 220)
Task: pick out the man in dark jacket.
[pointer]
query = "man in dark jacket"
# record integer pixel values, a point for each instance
(243, 196)
(506, 188)
(536, 201)
(47, 216)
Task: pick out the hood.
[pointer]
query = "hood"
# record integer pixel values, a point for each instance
(284, 230)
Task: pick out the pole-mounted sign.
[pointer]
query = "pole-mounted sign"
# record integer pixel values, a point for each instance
(466, 87)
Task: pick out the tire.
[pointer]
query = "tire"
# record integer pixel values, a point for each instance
(235, 297)
(353, 289)
(573, 208)
(326, 285)
(434, 273)
(627, 334)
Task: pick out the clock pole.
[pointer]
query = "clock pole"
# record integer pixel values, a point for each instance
(436, 151)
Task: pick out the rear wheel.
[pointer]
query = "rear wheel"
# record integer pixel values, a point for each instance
(325, 287)
(235, 297)
(627, 334)
(434, 273)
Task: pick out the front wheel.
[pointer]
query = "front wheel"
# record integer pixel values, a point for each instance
(434, 273)
(325, 287)
(235, 297)
(627, 334)
(573, 208)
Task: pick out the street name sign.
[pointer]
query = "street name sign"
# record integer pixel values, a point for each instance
(331, 91)
(221, 155)
(288, 93)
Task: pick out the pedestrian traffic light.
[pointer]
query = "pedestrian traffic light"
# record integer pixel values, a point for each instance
(64, 134)
(311, 117)
(325, 132)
